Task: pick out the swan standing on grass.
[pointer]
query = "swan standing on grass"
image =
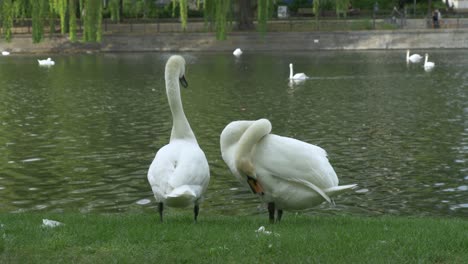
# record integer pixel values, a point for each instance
(179, 173)
(237, 52)
(415, 58)
(297, 76)
(428, 65)
(47, 62)
(286, 173)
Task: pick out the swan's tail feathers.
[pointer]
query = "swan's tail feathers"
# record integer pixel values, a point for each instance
(335, 190)
(313, 187)
(182, 196)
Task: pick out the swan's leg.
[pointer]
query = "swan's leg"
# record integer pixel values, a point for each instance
(160, 209)
(271, 212)
(196, 209)
(278, 217)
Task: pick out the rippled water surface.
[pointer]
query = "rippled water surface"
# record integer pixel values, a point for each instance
(80, 136)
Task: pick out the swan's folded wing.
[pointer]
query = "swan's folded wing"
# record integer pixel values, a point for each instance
(289, 158)
(191, 168)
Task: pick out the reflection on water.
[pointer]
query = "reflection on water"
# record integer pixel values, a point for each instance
(80, 136)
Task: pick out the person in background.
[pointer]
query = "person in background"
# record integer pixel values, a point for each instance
(435, 19)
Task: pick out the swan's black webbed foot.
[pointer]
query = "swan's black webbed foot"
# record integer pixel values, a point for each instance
(161, 209)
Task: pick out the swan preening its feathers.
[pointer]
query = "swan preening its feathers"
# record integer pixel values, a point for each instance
(428, 65)
(179, 174)
(286, 173)
(415, 58)
(297, 76)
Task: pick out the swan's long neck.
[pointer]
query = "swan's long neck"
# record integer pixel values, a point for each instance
(180, 125)
(425, 60)
(407, 55)
(251, 136)
(291, 73)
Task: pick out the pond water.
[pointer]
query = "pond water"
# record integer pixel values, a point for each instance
(80, 136)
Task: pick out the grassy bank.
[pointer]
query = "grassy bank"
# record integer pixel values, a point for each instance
(140, 238)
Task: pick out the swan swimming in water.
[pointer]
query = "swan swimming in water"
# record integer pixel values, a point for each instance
(428, 65)
(179, 173)
(286, 173)
(46, 62)
(415, 58)
(5, 53)
(237, 52)
(297, 76)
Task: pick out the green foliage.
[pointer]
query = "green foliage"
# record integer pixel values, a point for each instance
(60, 8)
(114, 10)
(183, 13)
(72, 14)
(7, 18)
(39, 12)
(264, 12)
(92, 16)
(341, 7)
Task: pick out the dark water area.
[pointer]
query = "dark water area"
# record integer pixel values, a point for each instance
(79, 136)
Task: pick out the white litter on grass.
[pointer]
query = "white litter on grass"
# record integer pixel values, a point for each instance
(50, 223)
(262, 230)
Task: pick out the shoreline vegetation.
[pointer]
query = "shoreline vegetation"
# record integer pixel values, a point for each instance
(141, 238)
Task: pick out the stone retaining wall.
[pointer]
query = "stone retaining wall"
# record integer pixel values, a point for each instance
(272, 41)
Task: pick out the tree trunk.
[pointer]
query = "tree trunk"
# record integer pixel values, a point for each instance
(245, 15)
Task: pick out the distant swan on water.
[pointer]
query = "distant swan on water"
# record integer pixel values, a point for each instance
(46, 62)
(5, 53)
(415, 58)
(237, 52)
(428, 65)
(179, 174)
(297, 76)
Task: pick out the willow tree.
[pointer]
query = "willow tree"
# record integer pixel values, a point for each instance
(92, 16)
(219, 12)
(341, 7)
(38, 13)
(7, 18)
(60, 7)
(72, 14)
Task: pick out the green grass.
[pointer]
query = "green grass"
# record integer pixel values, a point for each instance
(140, 238)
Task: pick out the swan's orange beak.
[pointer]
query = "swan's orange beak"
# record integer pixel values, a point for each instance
(254, 185)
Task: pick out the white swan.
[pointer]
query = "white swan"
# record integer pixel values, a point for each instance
(237, 52)
(297, 76)
(5, 53)
(415, 58)
(179, 173)
(428, 65)
(46, 62)
(286, 173)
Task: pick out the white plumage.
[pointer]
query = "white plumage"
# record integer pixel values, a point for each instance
(286, 173)
(237, 52)
(297, 76)
(415, 58)
(428, 65)
(179, 174)
(46, 62)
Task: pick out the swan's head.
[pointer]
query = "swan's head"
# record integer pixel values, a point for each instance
(49, 59)
(176, 66)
